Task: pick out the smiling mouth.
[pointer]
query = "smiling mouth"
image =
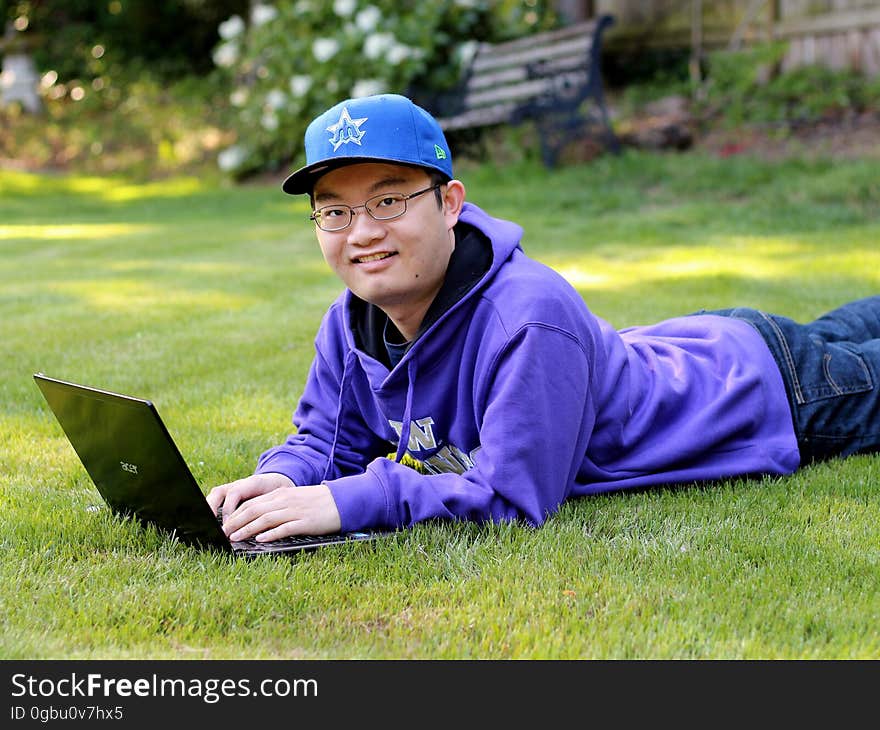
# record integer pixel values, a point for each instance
(373, 257)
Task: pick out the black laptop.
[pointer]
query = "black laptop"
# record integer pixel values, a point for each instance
(138, 470)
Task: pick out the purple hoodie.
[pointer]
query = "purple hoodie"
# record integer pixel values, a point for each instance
(518, 397)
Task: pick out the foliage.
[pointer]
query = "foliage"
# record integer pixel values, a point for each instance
(131, 122)
(293, 60)
(125, 84)
(206, 299)
(666, 81)
(173, 37)
(746, 87)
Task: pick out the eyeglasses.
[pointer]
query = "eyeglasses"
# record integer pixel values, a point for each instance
(384, 207)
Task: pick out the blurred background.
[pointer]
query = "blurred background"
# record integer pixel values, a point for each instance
(225, 88)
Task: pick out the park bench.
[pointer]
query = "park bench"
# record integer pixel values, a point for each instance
(552, 78)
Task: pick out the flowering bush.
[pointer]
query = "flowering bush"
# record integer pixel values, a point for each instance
(292, 60)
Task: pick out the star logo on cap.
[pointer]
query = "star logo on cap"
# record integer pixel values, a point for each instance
(346, 130)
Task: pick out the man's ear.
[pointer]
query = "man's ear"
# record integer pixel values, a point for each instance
(453, 200)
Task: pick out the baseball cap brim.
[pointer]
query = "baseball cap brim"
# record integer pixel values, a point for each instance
(303, 180)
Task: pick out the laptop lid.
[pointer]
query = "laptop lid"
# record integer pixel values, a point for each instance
(132, 459)
(138, 469)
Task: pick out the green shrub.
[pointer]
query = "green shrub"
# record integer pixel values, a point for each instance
(133, 122)
(174, 37)
(743, 87)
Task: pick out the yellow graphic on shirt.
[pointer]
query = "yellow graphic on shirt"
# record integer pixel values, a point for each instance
(449, 459)
(409, 461)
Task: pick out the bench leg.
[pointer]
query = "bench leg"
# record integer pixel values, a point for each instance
(558, 130)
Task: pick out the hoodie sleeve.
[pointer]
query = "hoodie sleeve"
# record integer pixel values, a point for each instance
(536, 413)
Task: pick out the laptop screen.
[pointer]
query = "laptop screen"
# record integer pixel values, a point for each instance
(132, 459)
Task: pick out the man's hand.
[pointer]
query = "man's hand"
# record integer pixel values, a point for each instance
(229, 496)
(270, 507)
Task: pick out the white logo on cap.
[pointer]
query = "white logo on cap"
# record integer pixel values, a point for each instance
(346, 130)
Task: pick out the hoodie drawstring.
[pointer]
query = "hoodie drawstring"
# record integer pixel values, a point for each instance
(407, 411)
(343, 386)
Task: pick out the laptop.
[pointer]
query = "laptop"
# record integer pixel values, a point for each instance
(139, 471)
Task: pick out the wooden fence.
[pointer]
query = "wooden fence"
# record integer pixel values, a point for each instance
(841, 34)
(845, 39)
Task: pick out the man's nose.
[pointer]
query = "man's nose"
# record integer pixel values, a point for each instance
(364, 228)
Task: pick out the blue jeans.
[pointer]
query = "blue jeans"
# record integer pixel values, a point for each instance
(831, 369)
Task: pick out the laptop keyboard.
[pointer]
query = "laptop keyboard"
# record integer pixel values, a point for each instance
(251, 544)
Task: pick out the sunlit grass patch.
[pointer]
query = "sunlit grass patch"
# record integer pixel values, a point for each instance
(127, 295)
(770, 258)
(70, 231)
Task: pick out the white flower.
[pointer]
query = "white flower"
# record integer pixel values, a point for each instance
(239, 97)
(231, 28)
(466, 51)
(226, 55)
(398, 53)
(262, 14)
(231, 158)
(377, 44)
(368, 18)
(368, 87)
(344, 8)
(276, 99)
(323, 49)
(300, 84)
(269, 121)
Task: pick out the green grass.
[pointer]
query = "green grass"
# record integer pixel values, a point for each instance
(205, 299)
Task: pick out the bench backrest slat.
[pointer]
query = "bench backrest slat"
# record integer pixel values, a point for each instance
(490, 58)
(482, 116)
(548, 38)
(525, 90)
(517, 74)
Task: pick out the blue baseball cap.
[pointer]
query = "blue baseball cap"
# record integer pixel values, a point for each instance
(383, 128)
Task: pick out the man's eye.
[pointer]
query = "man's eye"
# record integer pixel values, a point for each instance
(332, 212)
(387, 202)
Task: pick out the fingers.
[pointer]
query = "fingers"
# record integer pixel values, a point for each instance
(216, 496)
(284, 512)
(230, 496)
(271, 525)
(227, 496)
(249, 518)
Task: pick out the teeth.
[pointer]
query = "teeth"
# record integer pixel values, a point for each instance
(374, 257)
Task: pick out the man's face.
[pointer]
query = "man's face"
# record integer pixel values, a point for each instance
(397, 265)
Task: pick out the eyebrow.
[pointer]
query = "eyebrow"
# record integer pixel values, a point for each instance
(374, 188)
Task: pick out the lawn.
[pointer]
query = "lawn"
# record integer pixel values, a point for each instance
(205, 298)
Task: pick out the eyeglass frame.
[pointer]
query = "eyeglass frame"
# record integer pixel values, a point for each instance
(352, 208)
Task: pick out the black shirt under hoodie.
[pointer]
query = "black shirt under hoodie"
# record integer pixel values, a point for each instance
(470, 259)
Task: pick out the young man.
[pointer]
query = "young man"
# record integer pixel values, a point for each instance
(457, 378)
